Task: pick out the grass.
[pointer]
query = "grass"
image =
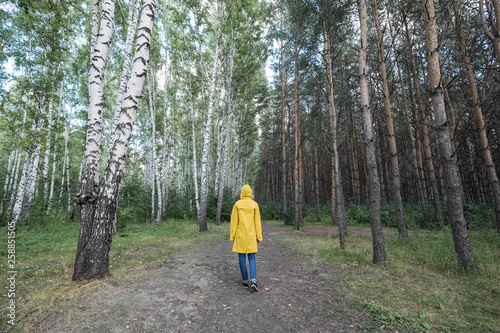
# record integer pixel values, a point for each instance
(45, 255)
(421, 288)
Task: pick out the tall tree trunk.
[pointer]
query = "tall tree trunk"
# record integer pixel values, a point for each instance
(207, 131)
(54, 166)
(371, 160)
(46, 157)
(7, 180)
(481, 126)
(164, 161)
(156, 173)
(449, 161)
(338, 204)
(227, 132)
(425, 132)
(65, 165)
(91, 163)
(92, 260)
(396, 182)
(297, 165)
(316, 184)
(284, 186)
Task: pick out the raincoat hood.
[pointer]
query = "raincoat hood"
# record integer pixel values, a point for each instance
(246, 192)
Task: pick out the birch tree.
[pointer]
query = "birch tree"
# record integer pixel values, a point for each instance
(207, 133)
(94, 243)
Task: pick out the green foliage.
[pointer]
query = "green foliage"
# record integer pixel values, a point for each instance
(358, 215)
(227, 205)
(271, 211)
(481, 216)
(388, 318)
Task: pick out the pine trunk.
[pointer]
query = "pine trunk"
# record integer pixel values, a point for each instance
(449, 162)
(371, 160)
(481, 125)
(396, 182)
(425, 132)
(296, 169)
(284, 186)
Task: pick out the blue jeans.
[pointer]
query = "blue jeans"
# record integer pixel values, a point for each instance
(243, 266)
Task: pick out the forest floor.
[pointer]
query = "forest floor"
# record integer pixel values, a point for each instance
(200, 290)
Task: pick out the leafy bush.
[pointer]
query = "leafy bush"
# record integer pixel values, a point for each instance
(271, 211)
(481, 216)
(357, 214)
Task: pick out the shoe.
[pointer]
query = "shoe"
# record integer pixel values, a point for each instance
(254, 286)
(245, 285)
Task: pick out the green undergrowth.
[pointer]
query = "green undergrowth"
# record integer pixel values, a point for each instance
(421, 289)
(45, 255)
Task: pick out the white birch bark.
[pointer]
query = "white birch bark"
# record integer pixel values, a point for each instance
(7, 180)
(227, 132)
(14, 182)
(154, 165)
(164, 162)
(94, 259)
(18, 203)
(46, 157)
(91, 161)
(127, 54)
(93, 145)
(65, 164)
(54, 165)
(202, 216)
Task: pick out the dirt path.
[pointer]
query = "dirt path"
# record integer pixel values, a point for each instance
(201, 291)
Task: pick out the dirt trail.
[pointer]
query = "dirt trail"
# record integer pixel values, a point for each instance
(201, 291)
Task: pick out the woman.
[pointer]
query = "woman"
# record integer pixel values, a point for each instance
(246, 231)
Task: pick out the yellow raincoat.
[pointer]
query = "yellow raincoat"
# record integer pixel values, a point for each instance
(246, 227)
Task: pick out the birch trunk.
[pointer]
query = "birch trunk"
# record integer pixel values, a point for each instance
(396, 182)
(53, 176)
(156, 174)
(379, 256)
(449, 162)
(91, 163)
(21, 189)
(207, 130)
(65, 165)
(46, 157)
(14, 183)
(227, 133)
(164, 162)
(92, 260)
(7, 180)
(481, 125)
